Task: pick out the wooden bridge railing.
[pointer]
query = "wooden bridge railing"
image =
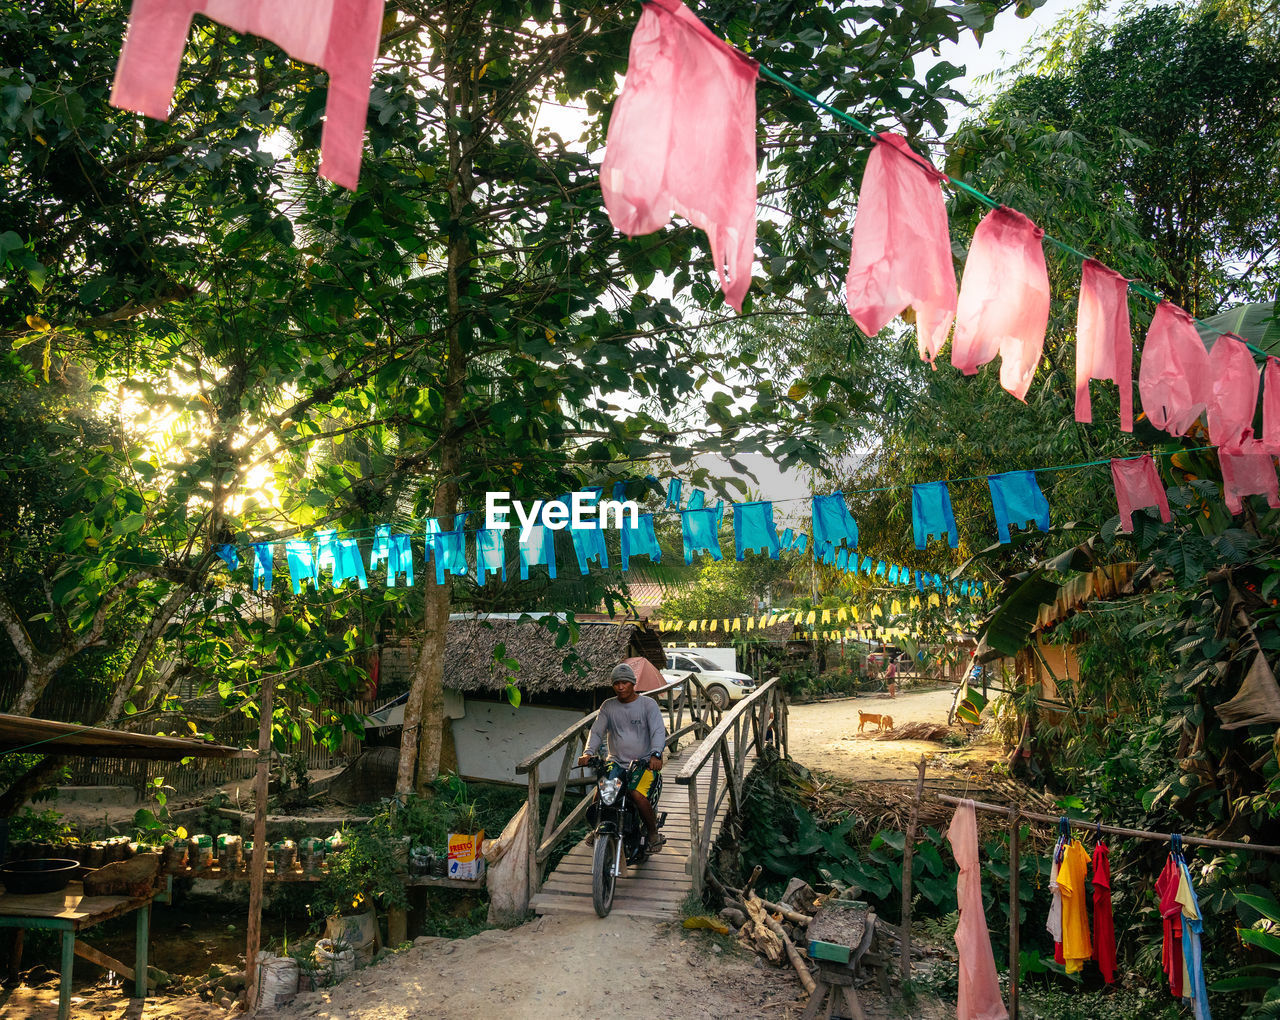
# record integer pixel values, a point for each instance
(687, 696)
(748, 725)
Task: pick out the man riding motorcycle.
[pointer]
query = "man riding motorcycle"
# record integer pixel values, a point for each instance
(635, 730)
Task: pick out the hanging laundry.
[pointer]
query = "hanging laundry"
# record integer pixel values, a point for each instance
(979, 986)
(302, 564)
(1137, 484)
(491, 554)
(901, 252)
(700, 529)
(1104, 928)
(340, 36)
(1017, 499)
(1053, 924)
(449, 548)
(1194, 986)
(348, 563)
(1233, 393)
(1104, 345)
(683, 138)
(754, 529)
(1173, 377)
(400, 560)
(326, 550)
(1004, 300)
(381, 545)
(833, 525)
(263, 565)
(1072, 873)
(1171, 959)
(228, 554)
(1271, 406)
(931, 514)
(1249, 473)
(641, 540)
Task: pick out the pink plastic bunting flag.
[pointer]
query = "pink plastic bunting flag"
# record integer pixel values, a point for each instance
(683, 138)
(1104, 347)
(1233, 393)
(340, 36)
(901, 248)
(1173, 378)
(1271, 406)
(1004, 300)
(1138, 485)
(1251, 472)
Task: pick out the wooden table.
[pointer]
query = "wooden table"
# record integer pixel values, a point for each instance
(70, 912)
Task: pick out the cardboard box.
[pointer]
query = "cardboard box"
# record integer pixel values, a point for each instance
(465, 859)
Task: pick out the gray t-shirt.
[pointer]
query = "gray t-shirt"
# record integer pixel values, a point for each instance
(635, 730)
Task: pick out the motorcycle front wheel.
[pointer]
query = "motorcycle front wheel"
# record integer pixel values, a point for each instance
(603, 879)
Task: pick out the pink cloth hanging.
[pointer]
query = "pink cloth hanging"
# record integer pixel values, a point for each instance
(1173, 378)
(1138, 485)
(1233, 393)
(901, 247)
(1104, 347)
(1271, 406)
(340, 36)
(683, 138)
(979, 992)
(1004, 300)
(1248, 473)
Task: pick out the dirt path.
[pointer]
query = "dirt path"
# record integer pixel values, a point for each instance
(570, 966)
(825, 735)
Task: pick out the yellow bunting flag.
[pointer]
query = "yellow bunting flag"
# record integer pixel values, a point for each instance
(934, 601)
(895, 608)
(751, 623)
(714, 623)
(826, 616)
(812, 618)
(842, 615)
(766, 619)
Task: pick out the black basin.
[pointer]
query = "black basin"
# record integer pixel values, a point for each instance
(41, 875)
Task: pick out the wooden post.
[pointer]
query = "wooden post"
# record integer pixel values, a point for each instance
(535, 834)
(259, 867)
(908, 852)
(1014, 926)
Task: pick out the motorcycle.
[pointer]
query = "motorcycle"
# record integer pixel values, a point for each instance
(621, 837)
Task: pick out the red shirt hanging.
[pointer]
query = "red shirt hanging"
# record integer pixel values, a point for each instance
(1104, 929)
(1171, 911)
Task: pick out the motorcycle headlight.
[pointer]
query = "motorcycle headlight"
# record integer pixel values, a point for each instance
(609, 790)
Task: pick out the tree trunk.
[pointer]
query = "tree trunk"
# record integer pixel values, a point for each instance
(422, 736)
(28, 783)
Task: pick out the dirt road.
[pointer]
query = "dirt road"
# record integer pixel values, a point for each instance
(825, 735)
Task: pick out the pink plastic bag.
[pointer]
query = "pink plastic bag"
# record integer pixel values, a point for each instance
(1233, 393)
(1173, 378)
(1104, 347)
(683, 138)
(901, 247)
(1004, 300)
(340, 36)
(1138, 485)
(1271, 406)
(1250, 473)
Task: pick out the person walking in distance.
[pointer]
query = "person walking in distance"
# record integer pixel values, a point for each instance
(636, 734)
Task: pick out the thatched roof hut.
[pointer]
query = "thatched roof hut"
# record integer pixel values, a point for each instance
(470, 667)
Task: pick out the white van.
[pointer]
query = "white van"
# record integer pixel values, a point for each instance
(723, 685)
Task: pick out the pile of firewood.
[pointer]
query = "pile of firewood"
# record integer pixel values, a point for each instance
(772, 930)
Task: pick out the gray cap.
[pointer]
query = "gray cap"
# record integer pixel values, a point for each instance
(622, 672)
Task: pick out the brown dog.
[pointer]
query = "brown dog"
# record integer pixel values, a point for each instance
(886, 722)
(870, 717)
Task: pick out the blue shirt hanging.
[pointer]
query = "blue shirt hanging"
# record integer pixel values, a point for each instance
(348, 563)
(642, 540)
(540, 548)
(302, 563)
(491, 554)
(381, 546)
(1017, 499)
(263, 565)
(754, 529)
(399, 560)
(673, 494)
(701, 533)
(931, 514)
(833, 525)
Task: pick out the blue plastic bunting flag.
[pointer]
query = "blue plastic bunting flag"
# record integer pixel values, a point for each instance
(697, 500)
(701, 533)
(801, 543)
(788, 538)
(348, 563)
(326, 549)
(491, 554)
(1017, 499)
(673, 494)
(931, 515)
(539, 548)
(228, 554)
(449, 549)
(381, 546)
(641, 540)
(754, 529)
(833, 525)
(263, 565)
(302, 563)
(400, 560)
(588, 540)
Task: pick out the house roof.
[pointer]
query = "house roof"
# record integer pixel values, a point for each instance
(584, 666)
(44, 736)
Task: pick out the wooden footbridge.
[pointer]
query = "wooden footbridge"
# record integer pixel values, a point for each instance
(711, 753)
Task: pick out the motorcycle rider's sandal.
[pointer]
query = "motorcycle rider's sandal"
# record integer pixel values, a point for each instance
(656, 843)
(591, 838)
